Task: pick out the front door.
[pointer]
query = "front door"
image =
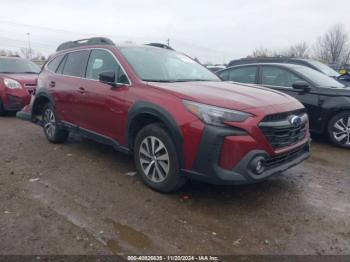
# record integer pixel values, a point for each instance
(282, 79)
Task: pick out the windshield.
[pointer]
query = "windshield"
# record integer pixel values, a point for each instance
(160, 65)
(321, 80)
(17, 66)
(324, 68)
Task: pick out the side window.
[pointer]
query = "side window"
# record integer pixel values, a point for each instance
(61, 66)
(243, 74)
(53, 64)
(103, 61)
(224, 75)
(76, 63)
(274, 76)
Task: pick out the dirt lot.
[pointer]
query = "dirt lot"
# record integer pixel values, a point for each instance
(77, 198)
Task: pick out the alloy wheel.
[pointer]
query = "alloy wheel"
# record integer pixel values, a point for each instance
(49, 123)
(341, 130)
(154, 159)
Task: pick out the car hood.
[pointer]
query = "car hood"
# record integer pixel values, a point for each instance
(226, 94)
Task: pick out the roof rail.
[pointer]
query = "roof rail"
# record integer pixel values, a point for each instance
(161, 46)
(85, 42)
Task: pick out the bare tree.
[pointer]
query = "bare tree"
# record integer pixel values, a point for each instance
(332, 46)
(299, 50)
(261, 52)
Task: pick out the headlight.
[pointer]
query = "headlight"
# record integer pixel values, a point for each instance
(215, 115)
(12, 84)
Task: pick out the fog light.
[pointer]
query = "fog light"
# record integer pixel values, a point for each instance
(258, 165)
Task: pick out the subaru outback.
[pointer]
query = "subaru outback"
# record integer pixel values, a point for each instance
(179, 120)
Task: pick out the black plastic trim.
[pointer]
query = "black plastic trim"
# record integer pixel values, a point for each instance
(143, 107)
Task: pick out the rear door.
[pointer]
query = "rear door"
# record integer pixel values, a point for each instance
(282, 79)
(67, 83)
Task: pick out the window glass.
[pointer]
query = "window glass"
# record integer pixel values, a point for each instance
(158, 64)
(76, 63)
(53, 65)
(18, 66)
(61, 66)
(243, 75)
(275, 76)
(103, 61)
(224, 75)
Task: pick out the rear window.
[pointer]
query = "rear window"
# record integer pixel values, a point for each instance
(75, 64)
(18, 66)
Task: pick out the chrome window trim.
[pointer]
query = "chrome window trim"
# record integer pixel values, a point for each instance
(89, 49)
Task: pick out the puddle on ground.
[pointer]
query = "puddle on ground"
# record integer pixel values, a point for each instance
(113, 245)
(126, 233)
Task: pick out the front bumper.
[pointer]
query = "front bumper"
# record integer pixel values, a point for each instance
(206, 167)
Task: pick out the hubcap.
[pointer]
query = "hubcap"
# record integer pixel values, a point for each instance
(154, 159)
(341, 130)
(49, 123)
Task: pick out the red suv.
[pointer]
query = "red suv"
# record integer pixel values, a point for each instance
(18, 79)
(177, 118)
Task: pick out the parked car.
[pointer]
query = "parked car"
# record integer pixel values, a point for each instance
(316, 65)
(326, 100)
(18, 79)
(177, 118)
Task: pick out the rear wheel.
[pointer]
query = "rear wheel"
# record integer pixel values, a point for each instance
(156, 159)
(339, 129)
(53, 131)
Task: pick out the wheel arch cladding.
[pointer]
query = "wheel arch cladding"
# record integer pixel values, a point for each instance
(144, 113)
(335, 106)
(40, 100)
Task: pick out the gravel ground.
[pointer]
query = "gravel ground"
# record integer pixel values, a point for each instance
(82, 198)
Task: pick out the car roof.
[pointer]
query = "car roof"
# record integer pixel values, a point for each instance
(268, 64)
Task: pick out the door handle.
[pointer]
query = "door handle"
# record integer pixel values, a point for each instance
(81, 90)
(52, 84)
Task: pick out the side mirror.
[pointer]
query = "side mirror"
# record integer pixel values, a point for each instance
(302, 85)
(107, 78)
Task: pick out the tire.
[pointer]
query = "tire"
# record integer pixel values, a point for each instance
(339, 129)
(52, 129)
(160, 170)
(2, 110)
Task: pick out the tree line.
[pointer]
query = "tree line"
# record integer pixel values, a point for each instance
(331, 48)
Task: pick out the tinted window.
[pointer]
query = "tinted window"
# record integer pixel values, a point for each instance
(61, 66)
(224, 75)
(243, 75)
(275, 76)
(17, 66)
(103, 61)
(53, 65)
(76, 63)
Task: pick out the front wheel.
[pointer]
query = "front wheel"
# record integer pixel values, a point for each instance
(53, 131)
(156, 159)
(339, 129)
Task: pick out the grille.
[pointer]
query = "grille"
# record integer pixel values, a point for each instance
(280, 132)
(283, 158)
(30, 85)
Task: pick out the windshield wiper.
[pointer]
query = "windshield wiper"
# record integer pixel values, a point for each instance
(28, 72)
(157, 80)
(193, 80)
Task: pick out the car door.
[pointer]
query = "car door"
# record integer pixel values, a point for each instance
(65, 86)
(102, 104)
(282, 79)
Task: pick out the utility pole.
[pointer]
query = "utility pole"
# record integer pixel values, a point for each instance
(168, 42)
(29, 53)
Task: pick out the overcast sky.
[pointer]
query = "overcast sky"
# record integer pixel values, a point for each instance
(212, 30)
